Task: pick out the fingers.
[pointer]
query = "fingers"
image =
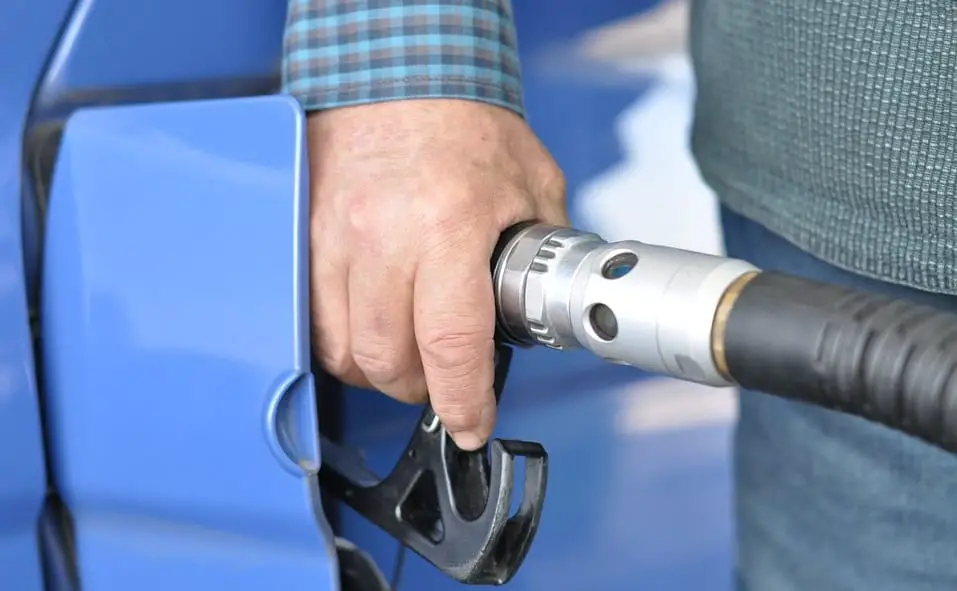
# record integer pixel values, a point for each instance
(330, 314)
(454, 326)
(383, 336)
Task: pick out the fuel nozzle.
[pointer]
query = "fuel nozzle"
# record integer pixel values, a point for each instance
(632, 303)
(722, 322)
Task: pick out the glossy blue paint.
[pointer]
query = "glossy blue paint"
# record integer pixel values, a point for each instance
(134, 51)
(182, 420)
(28, 29)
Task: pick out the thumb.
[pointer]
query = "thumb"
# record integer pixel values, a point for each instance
(553, 207)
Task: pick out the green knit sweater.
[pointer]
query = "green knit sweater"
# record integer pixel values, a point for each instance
(834, 124)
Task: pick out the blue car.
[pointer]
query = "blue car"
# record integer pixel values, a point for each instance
(160, 416)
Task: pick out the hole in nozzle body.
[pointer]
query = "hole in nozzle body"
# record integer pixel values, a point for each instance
(619, 265)
(603, 322)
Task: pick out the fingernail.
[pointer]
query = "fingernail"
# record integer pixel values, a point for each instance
(467, 440)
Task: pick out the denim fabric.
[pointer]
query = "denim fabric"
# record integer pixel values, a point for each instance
(828, 502)
(348, 52)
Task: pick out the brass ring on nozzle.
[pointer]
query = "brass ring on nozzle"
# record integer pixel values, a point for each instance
(720, 323)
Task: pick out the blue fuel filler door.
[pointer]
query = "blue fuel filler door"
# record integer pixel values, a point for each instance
(182, 415)
(181, 409)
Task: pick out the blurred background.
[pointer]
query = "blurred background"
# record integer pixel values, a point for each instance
(639, 491)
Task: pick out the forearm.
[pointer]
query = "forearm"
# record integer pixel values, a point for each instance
(351, 52)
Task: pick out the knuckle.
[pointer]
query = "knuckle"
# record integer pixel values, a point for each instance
(383, 365)
(554, 184)
(411, 396)
(409, 389)
(456, 353)
(337, 362)
(362, 216)
(357, 219)
(392, 373)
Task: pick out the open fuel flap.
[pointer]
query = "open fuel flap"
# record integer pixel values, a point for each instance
(180, 408)
(180, 400)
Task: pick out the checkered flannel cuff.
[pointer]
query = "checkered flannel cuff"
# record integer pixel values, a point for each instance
(349, 52)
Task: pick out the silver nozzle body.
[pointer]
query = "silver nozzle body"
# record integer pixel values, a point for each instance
(651, 307)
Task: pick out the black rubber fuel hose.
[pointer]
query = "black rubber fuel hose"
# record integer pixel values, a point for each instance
(888, 360)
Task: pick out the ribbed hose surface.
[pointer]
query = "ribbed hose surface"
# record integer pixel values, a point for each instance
(887, 360)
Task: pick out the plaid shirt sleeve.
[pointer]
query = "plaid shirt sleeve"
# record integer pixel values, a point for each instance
(348, 52)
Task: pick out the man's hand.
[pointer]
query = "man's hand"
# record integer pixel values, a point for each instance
(408, 200)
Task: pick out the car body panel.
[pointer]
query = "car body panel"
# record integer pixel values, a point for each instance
(28, 29)
(182, 425)
(118, 51)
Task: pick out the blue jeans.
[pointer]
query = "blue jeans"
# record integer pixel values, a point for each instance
(828, 502)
